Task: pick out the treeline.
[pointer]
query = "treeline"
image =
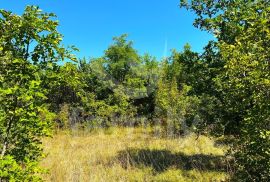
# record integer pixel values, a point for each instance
(222, 92)
(123, 85)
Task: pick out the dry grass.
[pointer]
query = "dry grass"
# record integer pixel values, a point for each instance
(128, 154)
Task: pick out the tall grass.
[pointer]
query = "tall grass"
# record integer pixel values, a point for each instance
(132, 154)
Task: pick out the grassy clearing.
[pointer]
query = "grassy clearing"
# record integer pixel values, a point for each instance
(128, 154)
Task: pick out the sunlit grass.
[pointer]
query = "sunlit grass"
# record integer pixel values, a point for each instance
(128, 154)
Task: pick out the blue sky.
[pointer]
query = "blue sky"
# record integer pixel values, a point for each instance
(155, 26)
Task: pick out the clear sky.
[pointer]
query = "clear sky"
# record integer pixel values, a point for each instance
(155, 26)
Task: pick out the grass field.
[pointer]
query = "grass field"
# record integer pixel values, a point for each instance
(128, 154)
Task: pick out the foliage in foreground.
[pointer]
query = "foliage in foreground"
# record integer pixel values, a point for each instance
(243, 34)
(29, 47)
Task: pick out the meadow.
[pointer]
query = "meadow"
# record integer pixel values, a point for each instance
(133, 154)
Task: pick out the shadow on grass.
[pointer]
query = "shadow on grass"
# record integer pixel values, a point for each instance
(161, 160)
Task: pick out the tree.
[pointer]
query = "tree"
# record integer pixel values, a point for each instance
(242, 30)
(120, 83)
(29, 46)
(177, 103)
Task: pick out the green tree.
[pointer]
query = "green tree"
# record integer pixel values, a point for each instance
(119, 84)
(176, 102)
(242, 30)
(29, 45)
(64, 85)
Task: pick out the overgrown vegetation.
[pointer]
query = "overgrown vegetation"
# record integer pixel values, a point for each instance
(223, 92)
(29, 48)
